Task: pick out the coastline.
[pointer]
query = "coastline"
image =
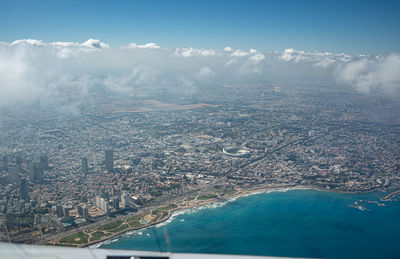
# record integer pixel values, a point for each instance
(203, 203)
(195, 203)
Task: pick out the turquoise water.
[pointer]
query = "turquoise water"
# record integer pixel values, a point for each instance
(298, 223)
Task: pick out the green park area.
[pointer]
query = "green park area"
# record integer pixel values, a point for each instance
(76, 238)
(112, 228)
(228, 191)
(207, 196)
(98, 235)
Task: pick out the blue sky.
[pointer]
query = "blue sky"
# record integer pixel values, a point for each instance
(356, 27)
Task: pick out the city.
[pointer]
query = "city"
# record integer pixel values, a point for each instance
(128, 155)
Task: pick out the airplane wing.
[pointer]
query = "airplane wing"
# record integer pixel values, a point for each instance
(20, 251)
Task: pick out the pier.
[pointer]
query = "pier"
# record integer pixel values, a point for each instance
(390, 195)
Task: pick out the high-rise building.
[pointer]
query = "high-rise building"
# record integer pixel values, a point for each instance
(12, 174)
(44, 161)
(115, 203)
(102, 201)
(85, 212)
(59, 211)
(106, 207)
(109, 160)
(85, 167)
(36, 172)
(18, 161)
(98, 201)
(66, 212)
(125, 201)
(103, 204)
(5, 162)
(80, 209)
(31, 168)
(23, 190)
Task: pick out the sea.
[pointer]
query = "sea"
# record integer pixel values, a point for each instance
(292, 223)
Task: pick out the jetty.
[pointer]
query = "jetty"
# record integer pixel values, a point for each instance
(390, 195)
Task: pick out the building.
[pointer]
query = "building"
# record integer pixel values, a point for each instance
(5, 162)
(44, 162)
(31, 168)
(18, 161)
(83, 211)
(115, 203)
(103, 204)
(36, 172)
(106, 207)
(12, 174)
(59, 211)
(125, 201)
(23, 190)
(97, 201)
(66, 212)
(109, 160)
(85, 167)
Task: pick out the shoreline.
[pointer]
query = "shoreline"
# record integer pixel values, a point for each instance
(225, 199)
(199, 204)
(195, 203)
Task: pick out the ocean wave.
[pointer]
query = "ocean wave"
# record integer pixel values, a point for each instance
(137, 232)
(105, 242)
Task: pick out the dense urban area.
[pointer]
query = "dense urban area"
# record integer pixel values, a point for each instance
(121, 155)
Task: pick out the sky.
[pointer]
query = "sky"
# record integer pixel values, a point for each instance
(352, 27)
(57, 54)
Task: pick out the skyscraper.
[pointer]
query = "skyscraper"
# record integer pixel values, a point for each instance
(12, 174)
(23, 190)
(18, 161)
(125, 201)
(5, 162)
(60, 211)
(85, 212)
(106, 207)
(115, 203)
(36, 172)
(98, 201)
(102, 203)
(85, 167)
(66, 212)
(109, 160)
(44, 162)
(31, 168)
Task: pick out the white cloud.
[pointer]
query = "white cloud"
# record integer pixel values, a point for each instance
(150, 45)
(190, 52)
(367, 74)
(322, 59)
(257, 57)
(67, 73)
(205, 73)
(64, 44)
(94, 43)
(239, 53)
(228, 49)
(31, 42)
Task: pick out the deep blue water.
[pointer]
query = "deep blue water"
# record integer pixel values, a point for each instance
(297, 223)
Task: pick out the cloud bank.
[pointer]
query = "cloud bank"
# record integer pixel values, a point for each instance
(33, 72)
